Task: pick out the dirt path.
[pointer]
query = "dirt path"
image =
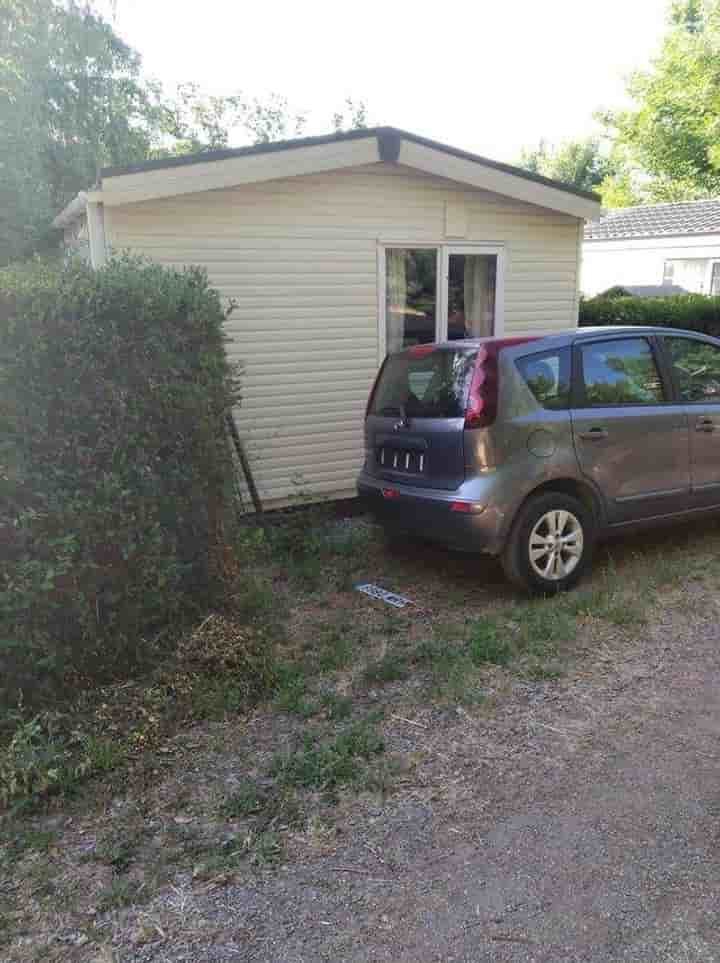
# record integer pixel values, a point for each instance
(579, 822)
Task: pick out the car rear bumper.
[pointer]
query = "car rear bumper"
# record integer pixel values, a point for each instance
(428, 513)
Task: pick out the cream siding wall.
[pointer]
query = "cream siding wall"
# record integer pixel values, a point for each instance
(299, 256)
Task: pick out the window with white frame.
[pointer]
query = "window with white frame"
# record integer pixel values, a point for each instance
(437, 292)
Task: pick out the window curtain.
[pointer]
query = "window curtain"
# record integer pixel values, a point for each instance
(479, 294)
(395, 298)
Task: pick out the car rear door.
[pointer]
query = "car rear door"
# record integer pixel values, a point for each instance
(630, 436)
(695, 365)
(416, 417)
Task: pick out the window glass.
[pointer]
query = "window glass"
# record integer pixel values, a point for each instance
(410, 296)
(432, 385)
(620, 372)
(547, 375)
(471, 295)
(696, 366)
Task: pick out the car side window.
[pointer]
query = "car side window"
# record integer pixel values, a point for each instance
(621, 371)
(696, 368)
(547, 375)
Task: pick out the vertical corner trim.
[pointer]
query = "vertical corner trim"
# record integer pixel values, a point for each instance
(96, 233)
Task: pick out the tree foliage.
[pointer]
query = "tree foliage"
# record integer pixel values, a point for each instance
(580, 163)
(73, 99)
(673, 133)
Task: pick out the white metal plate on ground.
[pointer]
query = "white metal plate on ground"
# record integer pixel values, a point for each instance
(375, 592)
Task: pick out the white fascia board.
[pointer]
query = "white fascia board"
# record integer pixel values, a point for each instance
(71, 212)
(235, 171)
(692, 245)
(442, 164)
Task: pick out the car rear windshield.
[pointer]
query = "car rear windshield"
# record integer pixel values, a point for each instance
(433, 384)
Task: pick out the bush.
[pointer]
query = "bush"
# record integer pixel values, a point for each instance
(113, 462)
(694, 312)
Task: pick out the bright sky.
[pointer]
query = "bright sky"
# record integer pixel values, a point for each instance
(489, 76)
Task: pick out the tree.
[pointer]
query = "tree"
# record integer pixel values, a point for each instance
(673, 133)
(71, 100)
(352, 116)
(580, 163)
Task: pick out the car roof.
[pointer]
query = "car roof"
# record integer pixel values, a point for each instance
(572, 335)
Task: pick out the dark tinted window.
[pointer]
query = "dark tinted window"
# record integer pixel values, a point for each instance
(547, 375)
(620, 372)
(429, 385)
(696, 366)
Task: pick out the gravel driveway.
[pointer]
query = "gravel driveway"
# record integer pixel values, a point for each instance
(578, 823)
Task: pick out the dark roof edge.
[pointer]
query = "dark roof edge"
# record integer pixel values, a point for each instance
(386, 136)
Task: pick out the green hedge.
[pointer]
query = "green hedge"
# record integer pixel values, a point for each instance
(694, 312)
(113, 462)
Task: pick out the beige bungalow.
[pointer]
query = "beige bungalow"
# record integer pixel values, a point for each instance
(337, 250)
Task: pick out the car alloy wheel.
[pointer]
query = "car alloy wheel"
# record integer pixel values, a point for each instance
(556, 545)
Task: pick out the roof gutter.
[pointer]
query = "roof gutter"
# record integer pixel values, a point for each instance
(72, 212)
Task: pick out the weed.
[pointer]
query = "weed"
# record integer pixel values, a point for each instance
(122, 891)
(213, 698)
(326, 765)
(42, 880)
(38, 761)
(379, 779)
(460, 684)
(337, 707)
(15, 844)
(255, 600)
(291, 694)
(489, 642)
(117, 850)
(247, 800)
(337, 648)
(542, 625)
(264, 848)
(390, 668)
(541, 671)
(104, 755)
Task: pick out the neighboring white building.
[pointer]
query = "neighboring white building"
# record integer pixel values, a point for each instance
(658, 244)
(336, 250)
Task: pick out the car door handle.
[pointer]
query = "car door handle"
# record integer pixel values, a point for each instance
(593, 434)
(704, 424)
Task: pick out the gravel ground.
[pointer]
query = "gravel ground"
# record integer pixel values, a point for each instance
(578, 822)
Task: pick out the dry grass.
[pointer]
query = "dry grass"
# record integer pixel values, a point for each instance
(236, 797)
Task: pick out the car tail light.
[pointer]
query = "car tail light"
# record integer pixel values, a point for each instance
(390, 493)
(482, 403)
(467, 508)
(464, 508)
(420, 350)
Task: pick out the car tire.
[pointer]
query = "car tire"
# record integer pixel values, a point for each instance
(551, 544)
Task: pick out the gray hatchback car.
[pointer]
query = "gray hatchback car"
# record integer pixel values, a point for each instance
(533, 448)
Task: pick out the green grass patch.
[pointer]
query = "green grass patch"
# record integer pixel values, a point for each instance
(332, 763)
(121, 892)
(292, 691)
(336, 647)
(392, 667)
(337, 707)
(247, 800)
(490, 642)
